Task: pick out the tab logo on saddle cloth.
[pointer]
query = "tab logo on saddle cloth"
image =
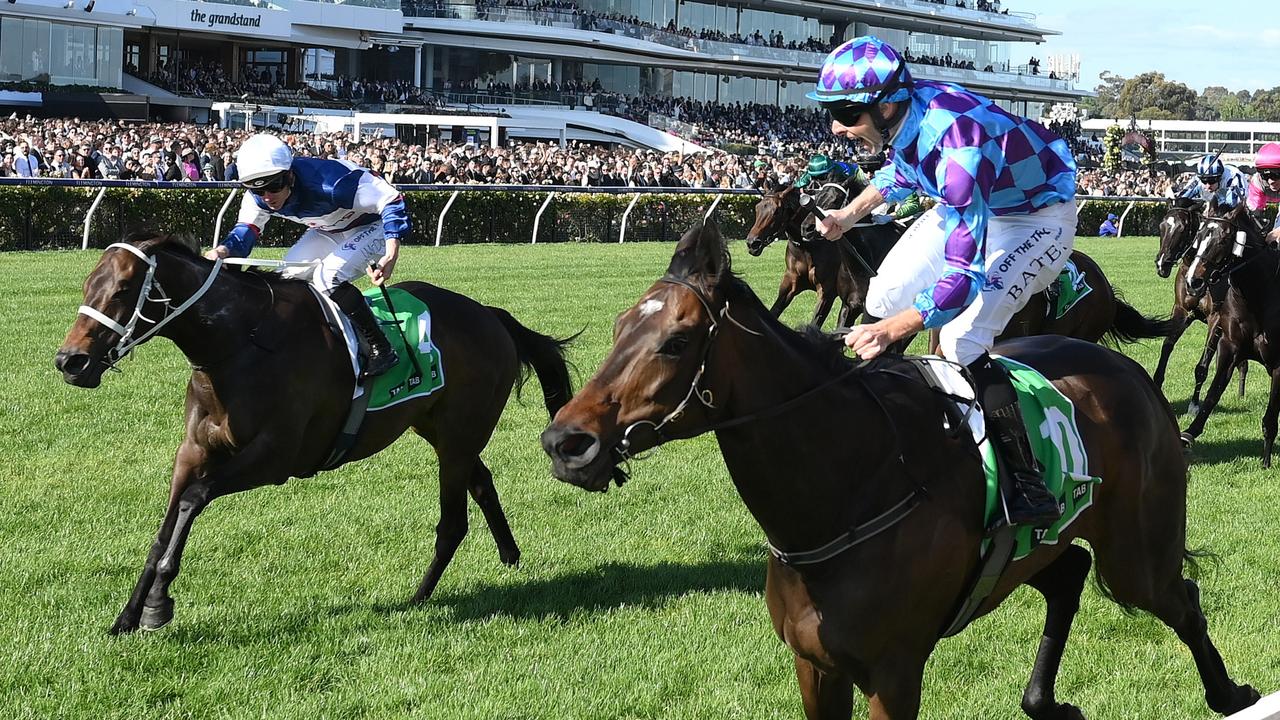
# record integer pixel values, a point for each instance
(404, 381)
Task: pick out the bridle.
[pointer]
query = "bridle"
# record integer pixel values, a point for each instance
(1240, 244)
(127, 341)
(1189, 218)
(847, 540)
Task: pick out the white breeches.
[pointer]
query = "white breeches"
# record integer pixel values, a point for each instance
(1024, 253)
(343, 255)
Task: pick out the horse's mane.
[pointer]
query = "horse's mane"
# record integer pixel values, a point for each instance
(808, 339)
(1186, 203)
(149, 241)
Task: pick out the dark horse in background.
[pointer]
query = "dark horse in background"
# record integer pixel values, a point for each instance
(712, 358)
(1248, 317)
(271, 386)
(812, 263)
(1178, 231)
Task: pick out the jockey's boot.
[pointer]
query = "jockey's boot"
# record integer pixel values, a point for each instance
(1029, 501)
(382, 357)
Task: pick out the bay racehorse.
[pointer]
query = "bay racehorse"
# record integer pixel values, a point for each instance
(1177, 232)
(271, 385)
(700, 353)
(1230, 249)
(814, 264)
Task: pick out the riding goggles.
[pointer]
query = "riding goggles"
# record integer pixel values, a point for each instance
(269, 184)
(1270, 174)
(846, 113)
(1210, 179)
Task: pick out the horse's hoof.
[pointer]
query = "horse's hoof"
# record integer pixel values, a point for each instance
(1193, 409)
(1069, 712)
(1243, 696)
(509, 558)
(155, 617)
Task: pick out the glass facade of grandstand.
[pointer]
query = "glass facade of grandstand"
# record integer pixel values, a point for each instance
(44, 51)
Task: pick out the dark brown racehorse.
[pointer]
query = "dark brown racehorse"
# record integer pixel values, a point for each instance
(699, 352)
(1249, 314)
(271, 385)
(814, 264)
(1177, 231)
(808, 266)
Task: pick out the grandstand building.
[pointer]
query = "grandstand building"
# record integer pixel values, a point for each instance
(297, 53)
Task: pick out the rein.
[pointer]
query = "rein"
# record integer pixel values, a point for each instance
(845, 541)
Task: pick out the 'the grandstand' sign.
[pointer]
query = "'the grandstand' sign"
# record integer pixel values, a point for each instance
(220, 18)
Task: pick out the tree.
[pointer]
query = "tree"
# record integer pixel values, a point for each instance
(1111, 153)
(1151, 96)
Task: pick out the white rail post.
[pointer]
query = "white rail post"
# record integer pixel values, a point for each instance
(622, 231)
(719, 197)
(1082, 204)
(538, 218)
(217, 227)
(445, 211)
(1123, 215)
(88, 217)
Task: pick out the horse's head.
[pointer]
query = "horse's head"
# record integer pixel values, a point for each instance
(1177, 230)
(829, 196)
(1222, 243)
(775, 211)
(649, 389)
(118, 301)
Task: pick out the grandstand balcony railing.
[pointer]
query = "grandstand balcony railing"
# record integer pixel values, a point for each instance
(579, 20)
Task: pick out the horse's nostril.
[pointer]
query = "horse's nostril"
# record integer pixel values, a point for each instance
(575, 445)
(71, 363)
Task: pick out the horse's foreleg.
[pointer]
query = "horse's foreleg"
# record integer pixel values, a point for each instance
(1061, 583)
(157, 611)
(894, 691)
(1211, 341)
(1226, 362)
(825, 696)
(825, 299)
(183, 470)
(1180, 321)
(486, 496)
(455, 476)
(1269, 419)
(786, 293)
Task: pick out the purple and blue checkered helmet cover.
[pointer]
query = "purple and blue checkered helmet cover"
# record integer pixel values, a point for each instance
(858, 65)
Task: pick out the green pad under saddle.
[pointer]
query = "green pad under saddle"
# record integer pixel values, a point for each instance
(1050, 419)
(403, 381)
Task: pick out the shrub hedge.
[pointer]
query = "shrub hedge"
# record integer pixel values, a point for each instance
(42, 217)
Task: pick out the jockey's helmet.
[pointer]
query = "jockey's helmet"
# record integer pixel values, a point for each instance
(261, 159)
(819, 165)
(1210, 169)
(861, 73)
(1268, 157)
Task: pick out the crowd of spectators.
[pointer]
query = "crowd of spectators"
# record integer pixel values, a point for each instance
(776, 144)
(181, 152)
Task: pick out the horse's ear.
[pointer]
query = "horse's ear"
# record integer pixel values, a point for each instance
(701, 253)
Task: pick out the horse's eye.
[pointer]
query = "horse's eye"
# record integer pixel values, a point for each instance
(674, 346)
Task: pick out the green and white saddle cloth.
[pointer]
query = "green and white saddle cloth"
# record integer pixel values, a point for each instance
(404, 381)
(1050, 420)
(1072, 288)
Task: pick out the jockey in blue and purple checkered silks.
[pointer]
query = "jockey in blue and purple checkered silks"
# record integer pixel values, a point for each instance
(1002, 230)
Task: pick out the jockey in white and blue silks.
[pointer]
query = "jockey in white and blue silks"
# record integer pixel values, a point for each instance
(355, 218)
(1216, 182)
(1002, 230)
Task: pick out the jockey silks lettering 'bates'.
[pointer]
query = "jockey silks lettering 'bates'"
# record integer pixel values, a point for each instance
(1004, 187)
(356, 222)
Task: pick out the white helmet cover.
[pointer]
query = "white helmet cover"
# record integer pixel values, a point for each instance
(262, 157)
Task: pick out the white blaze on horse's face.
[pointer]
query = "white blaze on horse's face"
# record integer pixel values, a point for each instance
(651, 306)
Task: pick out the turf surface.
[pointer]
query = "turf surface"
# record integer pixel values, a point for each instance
(642, 603)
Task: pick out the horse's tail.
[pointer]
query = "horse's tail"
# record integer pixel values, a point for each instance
(543, 355)
(1129, 325)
